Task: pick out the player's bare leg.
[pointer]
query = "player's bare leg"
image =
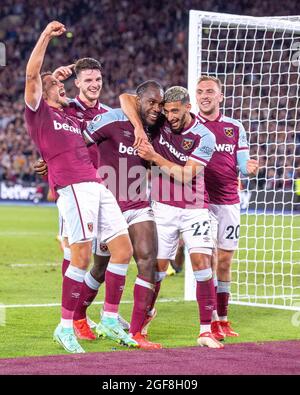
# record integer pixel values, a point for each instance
(144, 239)
(224, 279)
(205, 295)
(120, 248)
(178, 262)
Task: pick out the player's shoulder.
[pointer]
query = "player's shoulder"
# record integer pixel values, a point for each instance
(109, 117)
(199, 128)
(115, 114)
(232, 121)
(41, 107)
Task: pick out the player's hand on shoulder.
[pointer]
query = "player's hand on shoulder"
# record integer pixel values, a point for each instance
(140, 136)
(54, 29)
(63, 72)
(40, 167)
(252, 167)
(146, 150)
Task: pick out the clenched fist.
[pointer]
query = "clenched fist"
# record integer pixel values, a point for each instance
(54, 29)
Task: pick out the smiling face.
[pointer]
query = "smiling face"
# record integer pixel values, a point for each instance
(150, 105)
(54, 92)
(209, 97)
(178, 115)
(89, 82)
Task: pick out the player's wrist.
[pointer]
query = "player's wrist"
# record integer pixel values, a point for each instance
(157, 159)
(46, 35)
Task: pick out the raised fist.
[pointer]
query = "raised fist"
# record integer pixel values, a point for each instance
(54, 29)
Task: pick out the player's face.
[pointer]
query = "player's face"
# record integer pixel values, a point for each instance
(54, 91)
(209, 97)
(177, 115)
(150, 105)
(89, 83)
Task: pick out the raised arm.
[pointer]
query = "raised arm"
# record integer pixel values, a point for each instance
(33, 85)
(130, 108)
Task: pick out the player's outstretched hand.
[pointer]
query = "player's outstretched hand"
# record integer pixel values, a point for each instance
(146, 151)
(54, 29)
(40, 167)
(252, 167)
(140, 136)
(63, 72)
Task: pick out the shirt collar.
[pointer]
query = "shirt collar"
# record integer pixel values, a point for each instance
(204, 120)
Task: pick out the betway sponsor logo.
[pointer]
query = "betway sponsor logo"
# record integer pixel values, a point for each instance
(65, 126)
(127, 150)
(179, 155)
(225, 148)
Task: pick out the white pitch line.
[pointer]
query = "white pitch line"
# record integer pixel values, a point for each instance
(17, 306)
(34, 264)
(21, 234)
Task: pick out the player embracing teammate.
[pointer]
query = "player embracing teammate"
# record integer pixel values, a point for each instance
(221, 181)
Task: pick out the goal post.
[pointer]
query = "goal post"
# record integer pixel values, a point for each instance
(258, 61)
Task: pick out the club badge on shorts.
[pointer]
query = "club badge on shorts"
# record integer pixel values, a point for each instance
(229, 132)
(187, 144)
(90, 226)
(103, 247)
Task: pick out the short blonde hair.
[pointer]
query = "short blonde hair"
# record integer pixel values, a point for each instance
(177, 93)
(210, 78)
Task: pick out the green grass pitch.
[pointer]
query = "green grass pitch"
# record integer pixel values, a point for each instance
(30, 267)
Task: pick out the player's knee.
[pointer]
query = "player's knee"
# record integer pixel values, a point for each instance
(200, 261)
(81, 254)
(146, 267)
(146, 260)
(224, 262)
(120, 249)
(123, 255)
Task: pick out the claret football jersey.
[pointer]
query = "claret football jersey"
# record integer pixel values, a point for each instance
(221, 174)
(195, 142)
(59, 140)
(123, 171)
(77, 108)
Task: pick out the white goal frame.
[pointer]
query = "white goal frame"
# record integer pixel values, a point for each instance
(198, 20)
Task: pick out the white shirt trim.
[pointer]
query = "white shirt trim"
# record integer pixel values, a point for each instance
(37, 106)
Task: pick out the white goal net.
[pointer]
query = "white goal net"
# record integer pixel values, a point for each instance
(257, 59)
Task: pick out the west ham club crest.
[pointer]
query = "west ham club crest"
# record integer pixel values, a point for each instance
(90, 226)
(187, 144)
(229, 132)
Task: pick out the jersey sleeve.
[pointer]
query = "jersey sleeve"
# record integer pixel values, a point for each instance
(242, 142)
(203, 152)
(100, 128)
(242, 159)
